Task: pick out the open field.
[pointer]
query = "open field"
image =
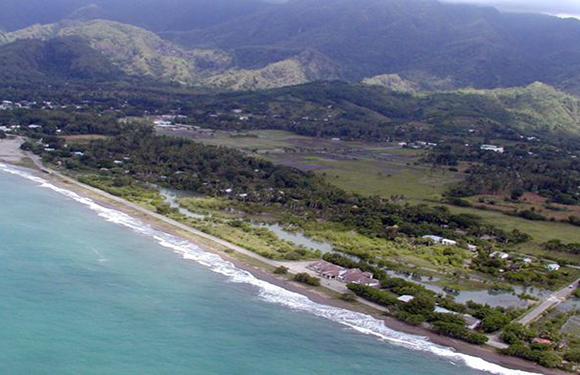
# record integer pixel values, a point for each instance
(365, 168)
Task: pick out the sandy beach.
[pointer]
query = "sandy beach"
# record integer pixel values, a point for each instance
(256, 265)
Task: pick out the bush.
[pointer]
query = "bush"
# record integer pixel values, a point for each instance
(348, 297)
(305, 278)
(572, 355)
(281, 270)
(458, 331)
(372, 294)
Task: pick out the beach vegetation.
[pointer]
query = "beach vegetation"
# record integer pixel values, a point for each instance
(281, 270)
(305, 278)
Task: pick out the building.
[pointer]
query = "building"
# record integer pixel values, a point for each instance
(552, 267)
(538, 340)
(499, 255)
(356, 276)
(327, 270)
(332, 271)
(471, 322)
(493, 148)
(406, 298)
(440, 240)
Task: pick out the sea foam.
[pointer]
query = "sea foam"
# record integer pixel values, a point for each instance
(271, 293)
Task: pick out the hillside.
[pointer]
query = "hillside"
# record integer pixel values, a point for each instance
(339, 109)
(29, 61)
(136, 51)
(306, 67)
(464, 46)
(141, 53)
(539, 107)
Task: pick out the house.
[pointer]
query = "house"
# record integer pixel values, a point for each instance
(499, 255)
(471, 247)
(406, 298)
(538, 340)
(442, 310)
(327, 270)
(471, 322)
(356, 276)
(552, 267)
(440, 240)
(493, 148)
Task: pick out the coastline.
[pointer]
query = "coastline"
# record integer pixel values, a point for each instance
(258, 271)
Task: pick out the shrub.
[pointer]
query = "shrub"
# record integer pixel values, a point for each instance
(348, 297)
(305, 278)
(281, 270)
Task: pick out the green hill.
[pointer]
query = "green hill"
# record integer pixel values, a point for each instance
(29, 61)
(461, 45)
(136, 51)
(539, 107)
(372, 112)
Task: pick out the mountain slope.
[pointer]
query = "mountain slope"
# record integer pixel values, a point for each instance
(540, 107)
(29, 61)
(465, 45)
(136, 51)
(306, 67)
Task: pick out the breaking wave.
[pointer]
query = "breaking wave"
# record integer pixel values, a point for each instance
(271, 293)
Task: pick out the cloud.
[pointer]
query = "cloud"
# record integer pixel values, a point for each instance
(556, 7)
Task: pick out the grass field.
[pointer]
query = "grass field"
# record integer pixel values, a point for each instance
(370, 177)
(364, 168)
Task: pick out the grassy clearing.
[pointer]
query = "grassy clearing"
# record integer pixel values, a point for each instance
(369, 177)
(82, 139)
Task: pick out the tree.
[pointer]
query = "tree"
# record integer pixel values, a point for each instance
(494, 321)
(517, 194)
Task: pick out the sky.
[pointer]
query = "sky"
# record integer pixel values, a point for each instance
(569, 8)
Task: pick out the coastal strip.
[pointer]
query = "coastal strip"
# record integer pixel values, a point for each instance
(117, 210)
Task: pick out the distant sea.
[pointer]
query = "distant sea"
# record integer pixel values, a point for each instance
(87, 290)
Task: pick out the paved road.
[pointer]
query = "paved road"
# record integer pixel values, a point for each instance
(552, 301)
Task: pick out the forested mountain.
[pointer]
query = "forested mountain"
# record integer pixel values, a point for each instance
(419, 39)
(55, 59)
(254, 44)
(135, 51)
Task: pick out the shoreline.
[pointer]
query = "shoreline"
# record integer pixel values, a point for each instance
(150, 218)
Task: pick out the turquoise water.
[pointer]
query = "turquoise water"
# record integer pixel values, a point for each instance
(87, 290)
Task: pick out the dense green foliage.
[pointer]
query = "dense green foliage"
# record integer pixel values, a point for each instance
(54, 60)
(546, 167)
(557, 245)
(459, 332)
(370, 42)
(307, 279)
(372, 294)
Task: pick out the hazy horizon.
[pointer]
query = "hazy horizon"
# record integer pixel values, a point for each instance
(561, 8)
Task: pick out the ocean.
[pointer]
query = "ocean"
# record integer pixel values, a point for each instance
(86, 290)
